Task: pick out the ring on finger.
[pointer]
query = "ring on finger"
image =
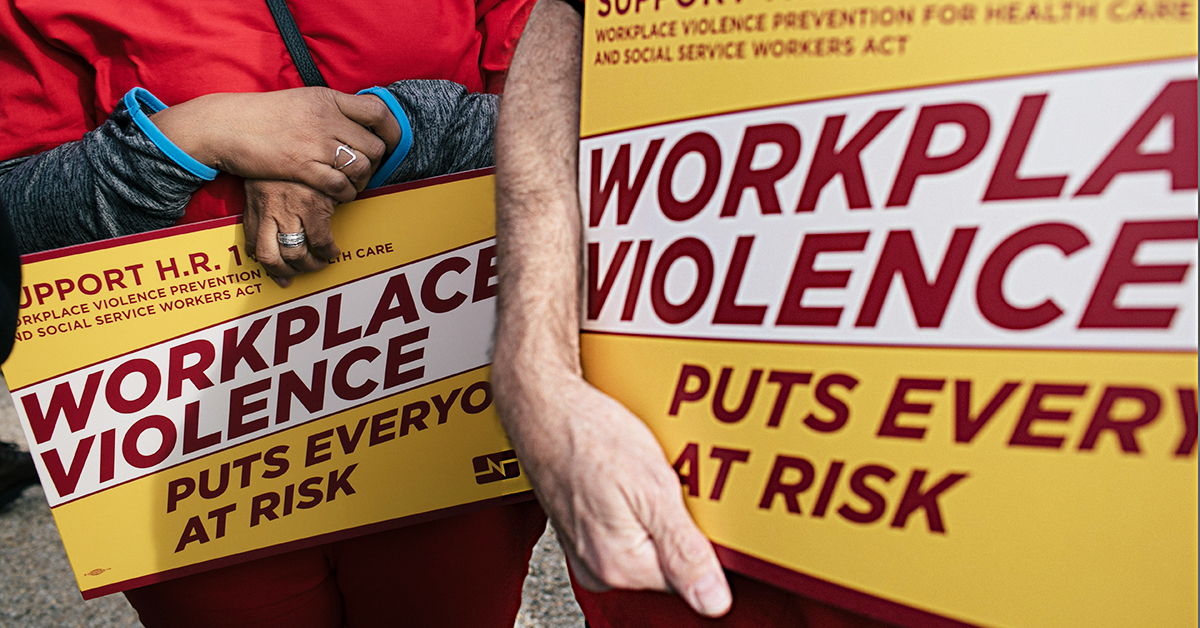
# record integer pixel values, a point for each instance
(291, 240)
(338, 155)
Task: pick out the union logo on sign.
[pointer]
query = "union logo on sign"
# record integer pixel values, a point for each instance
(495, 467)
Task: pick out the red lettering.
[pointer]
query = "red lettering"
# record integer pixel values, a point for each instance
(727, 458)
(1121, 269)
(239, 408)
(698, 252)
(1006, 184)
(311, 396)
(917, 162)
(915, 499)
(396, 290)
(333, 337)
(1177, 100)
(1187, 414)
(690, 479)
(112, 390)
(804, 276)
(1034, 412)
(234, 351)
(704, 145)
(429, 295)
(682, 393)
(728, 311)
(876, 503)
(129, 446)
(62, 401)
(618, 176)
(398, 357)
(341, 373)
(597, 291)
(829, 162)
(722, 413)
(762, 181)
(485, 271)
(928, 300)
(966, 426)
(177, 372)
(841, 412)
(65, 480)
(900, 404)
(787, 490)
(786, 380)
(1125, 429)
(285, 338)
(989, 292)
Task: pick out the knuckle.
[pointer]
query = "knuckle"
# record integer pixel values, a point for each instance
(333, 183)
(269, 259)
(375, 108)
(321, 242)
(614, 577)
(686, 552)
(294, 254)
(345, 192)
(375, 148)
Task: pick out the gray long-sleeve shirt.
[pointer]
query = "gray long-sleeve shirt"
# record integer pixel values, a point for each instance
(116, 181)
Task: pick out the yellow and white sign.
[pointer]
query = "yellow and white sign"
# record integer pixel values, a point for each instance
(908, 293)
(185, 412)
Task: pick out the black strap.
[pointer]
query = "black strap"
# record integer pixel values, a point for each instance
(577, 5)
(295, 44)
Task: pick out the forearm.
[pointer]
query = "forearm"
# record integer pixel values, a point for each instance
(115, 181)
(452, 129)
(595, 467)
(538, 219)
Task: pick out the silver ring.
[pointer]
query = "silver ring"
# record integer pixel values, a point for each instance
(344, 149)
(291, 240)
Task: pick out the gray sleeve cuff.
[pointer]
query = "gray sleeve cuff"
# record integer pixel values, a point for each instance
(452, 129)
(115, 181)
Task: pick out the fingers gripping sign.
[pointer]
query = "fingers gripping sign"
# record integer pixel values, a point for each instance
(619, 509)
(288, 228)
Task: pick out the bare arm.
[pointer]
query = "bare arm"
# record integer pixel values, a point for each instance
(596, 468)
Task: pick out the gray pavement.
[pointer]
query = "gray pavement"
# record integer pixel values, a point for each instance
(37, 589)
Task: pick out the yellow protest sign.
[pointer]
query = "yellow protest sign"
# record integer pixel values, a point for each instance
(185, 412)
(908, 294)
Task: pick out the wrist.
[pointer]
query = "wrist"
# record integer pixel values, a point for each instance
(392, 160)
(169, 129)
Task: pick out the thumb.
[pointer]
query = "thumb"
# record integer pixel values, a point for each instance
(688, 561)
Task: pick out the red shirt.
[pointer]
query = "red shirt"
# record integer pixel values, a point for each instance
(67, 63)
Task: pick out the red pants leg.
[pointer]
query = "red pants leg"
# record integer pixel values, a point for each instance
(465, 570)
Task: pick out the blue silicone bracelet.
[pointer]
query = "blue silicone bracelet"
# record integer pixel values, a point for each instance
(134, 100)
(392, 161)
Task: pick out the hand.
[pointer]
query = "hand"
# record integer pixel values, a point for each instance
(274, 207)
(596, 468)
(289, 135)
(613, 497)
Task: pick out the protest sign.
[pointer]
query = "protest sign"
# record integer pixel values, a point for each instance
(185, 412)
(908, 294)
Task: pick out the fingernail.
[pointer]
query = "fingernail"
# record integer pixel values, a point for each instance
(711, 595)
(282, 282)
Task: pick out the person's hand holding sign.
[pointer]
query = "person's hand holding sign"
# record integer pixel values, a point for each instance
(301, 151)
(596, 468)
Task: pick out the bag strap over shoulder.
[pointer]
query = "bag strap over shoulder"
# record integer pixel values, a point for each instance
(295, 44)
